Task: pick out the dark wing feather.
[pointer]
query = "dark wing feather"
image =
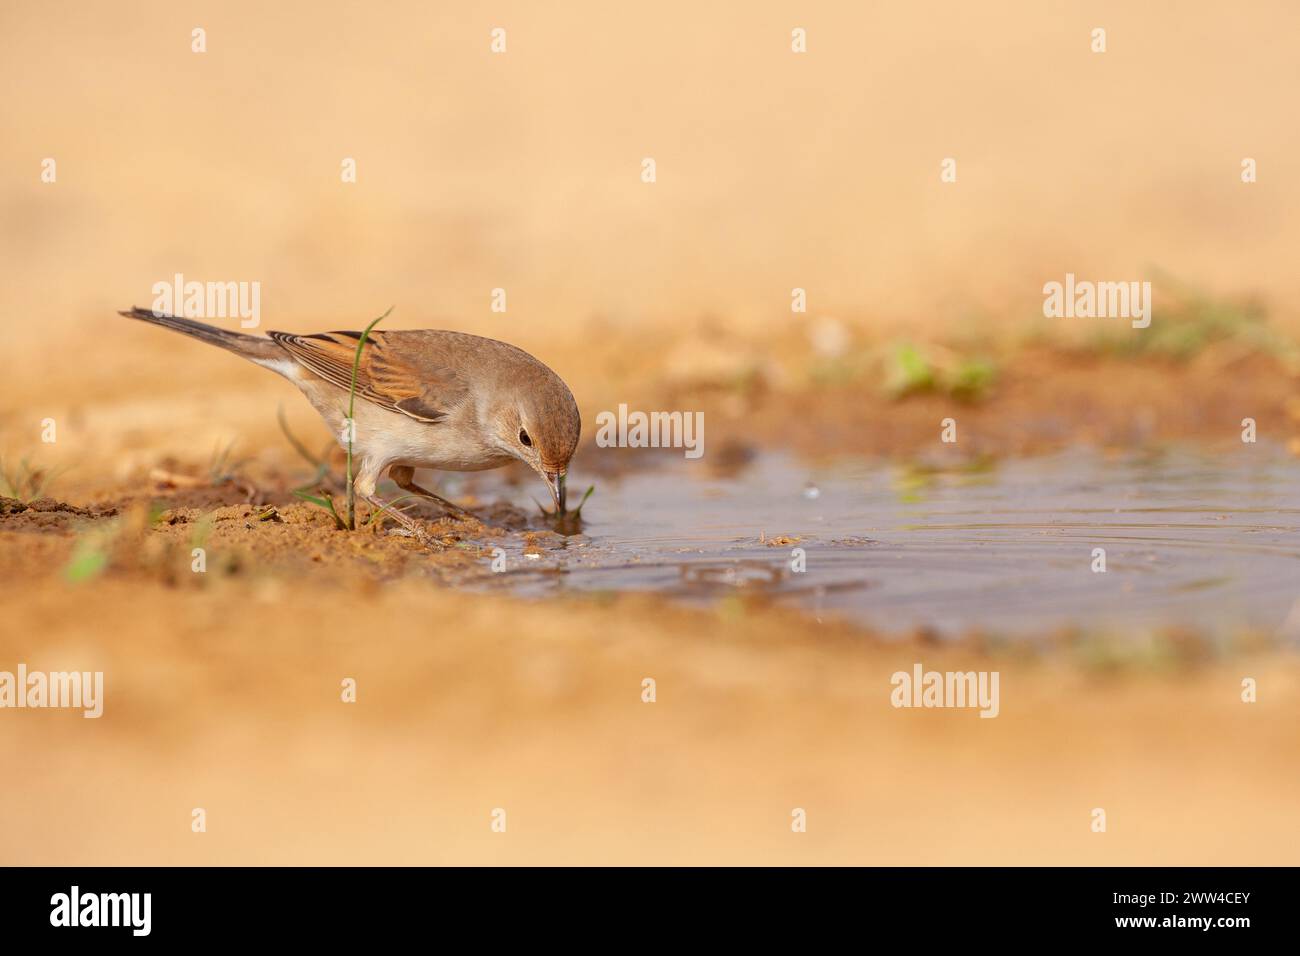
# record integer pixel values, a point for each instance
(416, 389)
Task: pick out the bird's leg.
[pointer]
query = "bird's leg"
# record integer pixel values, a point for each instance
(403, 476)
(406, 521)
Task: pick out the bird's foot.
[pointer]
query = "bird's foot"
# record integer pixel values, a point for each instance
(403, 477)
(449, 509)
(412, 526)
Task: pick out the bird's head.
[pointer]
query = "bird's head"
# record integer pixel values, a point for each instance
(538, 423)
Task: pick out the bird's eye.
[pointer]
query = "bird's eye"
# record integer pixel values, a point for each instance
(523, 437)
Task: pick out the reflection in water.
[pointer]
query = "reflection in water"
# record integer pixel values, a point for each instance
(1006, 548)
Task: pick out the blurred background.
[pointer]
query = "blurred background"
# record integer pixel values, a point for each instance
(522, 171)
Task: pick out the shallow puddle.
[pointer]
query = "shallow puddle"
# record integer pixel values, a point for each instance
(1006, 548)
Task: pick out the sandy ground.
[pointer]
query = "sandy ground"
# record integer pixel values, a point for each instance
(521, 172)
(232, 703)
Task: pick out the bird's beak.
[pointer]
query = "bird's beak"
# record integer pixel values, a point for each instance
(555, 481)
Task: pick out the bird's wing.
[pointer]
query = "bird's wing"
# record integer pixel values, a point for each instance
(385, 376)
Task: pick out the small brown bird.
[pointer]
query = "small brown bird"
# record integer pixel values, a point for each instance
(425, 399)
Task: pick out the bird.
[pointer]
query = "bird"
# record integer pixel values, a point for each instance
(425, 398)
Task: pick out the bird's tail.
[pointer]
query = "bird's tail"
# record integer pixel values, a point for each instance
(252, 347)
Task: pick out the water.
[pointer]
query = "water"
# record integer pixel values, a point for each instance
(1007, 548)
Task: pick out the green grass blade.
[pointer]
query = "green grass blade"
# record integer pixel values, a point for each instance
(352, 422)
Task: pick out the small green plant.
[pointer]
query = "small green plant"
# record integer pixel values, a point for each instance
(323, 473)
(322, 498)
(1187, 320)
(591, 490)
(352, 402)
(315, 490)
(86, 563)
(90, 554)
(25, 482)
(221, 467)
(567, 522)
(971, 379)
(202, 530)
(911, 369)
